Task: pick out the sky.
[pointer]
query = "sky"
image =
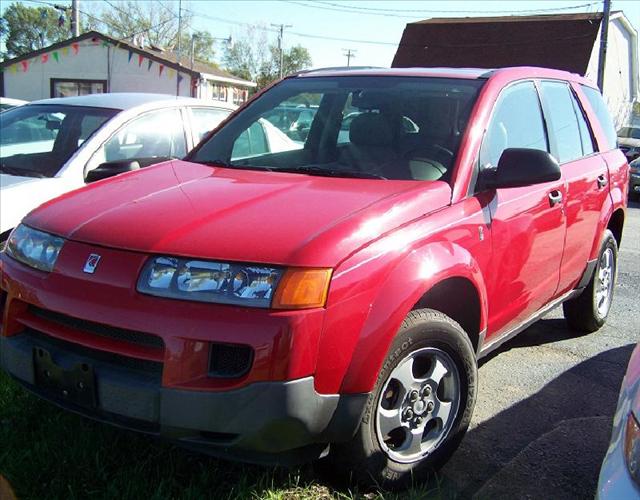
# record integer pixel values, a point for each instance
(370, 29)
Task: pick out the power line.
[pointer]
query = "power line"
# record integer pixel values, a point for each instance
(356, 9)
(296, 33)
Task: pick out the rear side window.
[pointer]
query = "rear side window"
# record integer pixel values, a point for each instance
(562, 121)
(585, 132)
(601, 111)
(516, 123)
(204, 120)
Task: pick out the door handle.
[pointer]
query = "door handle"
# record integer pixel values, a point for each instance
(602, 181)
(555, 197)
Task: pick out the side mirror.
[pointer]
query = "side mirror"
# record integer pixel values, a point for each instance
(520, 167)
(111, 168)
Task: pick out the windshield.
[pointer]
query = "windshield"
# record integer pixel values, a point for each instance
(356, 126)
(630, 133)
(37, 140)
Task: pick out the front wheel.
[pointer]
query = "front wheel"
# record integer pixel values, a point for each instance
(420, 407)
(589, 311)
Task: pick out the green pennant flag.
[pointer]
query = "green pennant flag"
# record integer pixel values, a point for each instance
(56, 56)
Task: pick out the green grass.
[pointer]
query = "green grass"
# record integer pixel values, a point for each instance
(46, 452)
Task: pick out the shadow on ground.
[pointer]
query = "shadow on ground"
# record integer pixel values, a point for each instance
(549, 445)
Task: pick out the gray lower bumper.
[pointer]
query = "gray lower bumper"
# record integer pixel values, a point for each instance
(267, 422)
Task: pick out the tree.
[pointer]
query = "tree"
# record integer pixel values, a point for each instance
(293, 60)
(247, 56)
(26, 29)
(158, 24)
(252, 58)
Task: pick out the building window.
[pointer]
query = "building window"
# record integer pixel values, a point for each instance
(219, 93)
(67, 88)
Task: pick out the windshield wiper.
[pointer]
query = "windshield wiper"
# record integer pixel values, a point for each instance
(22, 172)
(330, 172)
(224, 164)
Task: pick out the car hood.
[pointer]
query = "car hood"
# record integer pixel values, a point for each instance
(188, 209)
(7, 181)
(19, 195)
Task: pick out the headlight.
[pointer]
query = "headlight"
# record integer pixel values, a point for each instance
(34, 248)
(632, 447)
(238, 284)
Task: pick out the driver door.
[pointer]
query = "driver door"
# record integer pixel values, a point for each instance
(528, 224)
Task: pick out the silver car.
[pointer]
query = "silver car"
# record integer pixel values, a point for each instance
(620, 473)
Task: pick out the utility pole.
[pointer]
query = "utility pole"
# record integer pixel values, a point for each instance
(75, 17)
(281, 27)
(179, 47)
(604, 34)
(349, 54)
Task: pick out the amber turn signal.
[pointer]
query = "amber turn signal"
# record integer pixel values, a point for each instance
(302, 288)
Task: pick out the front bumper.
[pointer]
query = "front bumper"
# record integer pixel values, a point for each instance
(265, 422)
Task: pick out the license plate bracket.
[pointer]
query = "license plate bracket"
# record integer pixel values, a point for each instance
(76, 385)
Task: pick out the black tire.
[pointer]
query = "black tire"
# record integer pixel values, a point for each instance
(363, 458)
(582, 312)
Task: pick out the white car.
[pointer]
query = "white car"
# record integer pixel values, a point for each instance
(49, 147)
(8, 103)
(620, 472)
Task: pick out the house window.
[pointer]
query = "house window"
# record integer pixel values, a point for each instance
(239, 96)
(219, 93)
(67, 88)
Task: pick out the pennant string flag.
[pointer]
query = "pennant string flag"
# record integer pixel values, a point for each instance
(45, 58)
(140, 59)
(76, 47)
(160, 69)
(56, 56)
(130, 55)
(25, 66)
(65, 51)
(150, 63)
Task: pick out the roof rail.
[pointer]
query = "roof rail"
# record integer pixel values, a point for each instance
(337, 68)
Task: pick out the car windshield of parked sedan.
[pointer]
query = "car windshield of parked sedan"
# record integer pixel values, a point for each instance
(350, 126)
(630, 133)
(37, 140)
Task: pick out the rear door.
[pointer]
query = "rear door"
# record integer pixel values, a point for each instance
(585, 173)
(527, 223)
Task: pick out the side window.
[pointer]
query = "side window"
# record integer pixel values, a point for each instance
(154, 134)
(602, 113)
(585, 131)
(204, 120)
(562, 121)
(251, 142)
(516, 123)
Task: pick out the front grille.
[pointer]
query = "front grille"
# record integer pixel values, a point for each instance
(130, 336)
(229, 360)
(152, 368)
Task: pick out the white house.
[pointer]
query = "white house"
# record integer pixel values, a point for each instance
(95, 63)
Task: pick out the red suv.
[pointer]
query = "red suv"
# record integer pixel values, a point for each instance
(332, 296)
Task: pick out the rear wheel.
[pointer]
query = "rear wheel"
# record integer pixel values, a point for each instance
(420, 407)
(589, 311)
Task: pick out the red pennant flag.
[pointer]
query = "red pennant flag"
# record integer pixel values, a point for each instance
(45, 58)
(76, 47)
(160, 69)
(140, 59)
(25, 66)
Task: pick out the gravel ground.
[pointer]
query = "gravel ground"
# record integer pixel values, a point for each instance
(543, 417)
